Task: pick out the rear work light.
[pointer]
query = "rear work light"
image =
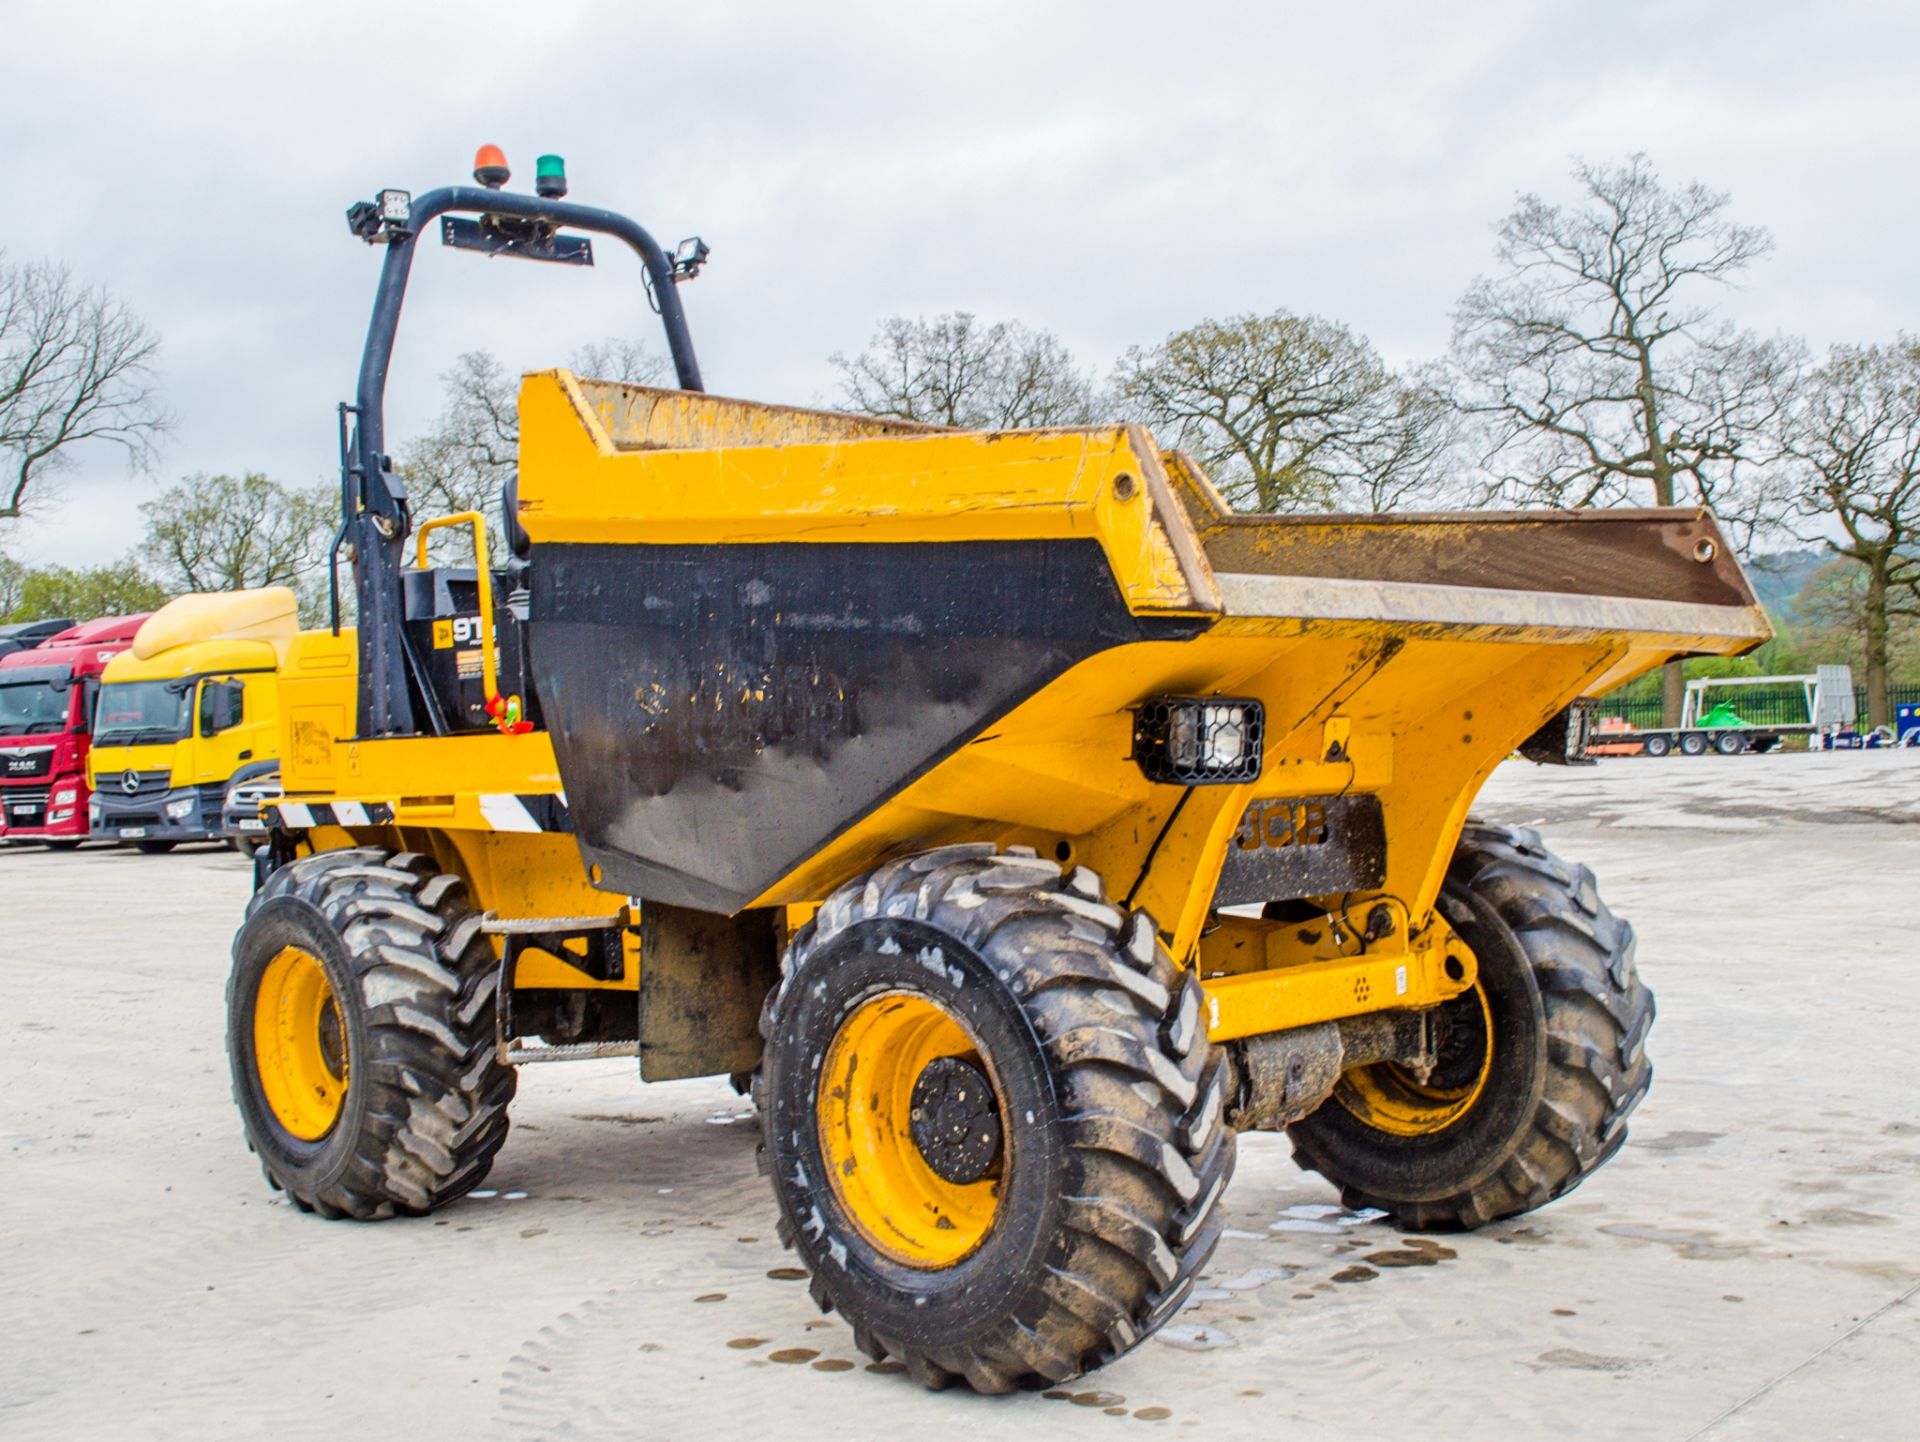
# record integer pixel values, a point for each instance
(1199, 740)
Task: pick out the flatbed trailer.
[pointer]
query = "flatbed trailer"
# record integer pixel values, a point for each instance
(1828, 694)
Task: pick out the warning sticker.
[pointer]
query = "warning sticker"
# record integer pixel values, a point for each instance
(443, 635)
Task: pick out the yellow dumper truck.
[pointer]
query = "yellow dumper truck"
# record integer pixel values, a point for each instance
(188, 710)
(1016, 822)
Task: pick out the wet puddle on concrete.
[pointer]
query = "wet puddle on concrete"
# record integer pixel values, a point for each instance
(1112, 1404)
(1326, 1220)
(1413, 1252)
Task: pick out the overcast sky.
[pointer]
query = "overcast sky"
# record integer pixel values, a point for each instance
(1109, 171)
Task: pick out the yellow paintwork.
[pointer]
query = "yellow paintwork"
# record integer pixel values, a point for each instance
(303, 1072)
(1053, 773)
(1390, 1099)
(898, 1202)
(197, 759)
(1409, 692)
(267, 614)
(578, 484)
(217, 636)
(1259, 976)
(317, 687)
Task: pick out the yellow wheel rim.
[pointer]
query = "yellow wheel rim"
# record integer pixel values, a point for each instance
(300, 1044)
(898, 1202)
(1389, 1098)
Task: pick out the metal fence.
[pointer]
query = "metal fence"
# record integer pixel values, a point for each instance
(1757, 705)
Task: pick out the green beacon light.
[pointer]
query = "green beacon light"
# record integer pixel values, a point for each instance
(550, 177)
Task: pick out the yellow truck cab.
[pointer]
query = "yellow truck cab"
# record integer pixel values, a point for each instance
(192, 706)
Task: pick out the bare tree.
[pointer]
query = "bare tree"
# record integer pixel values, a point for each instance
(954, 371)
(1853, 433)
(462, 461)
(76, 365)
(617, 358)
(1293, 412)
(1597, 369)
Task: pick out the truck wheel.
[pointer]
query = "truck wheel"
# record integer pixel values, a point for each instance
(1657, 745)
(992, 1117)
(154, 848)
(1692, 743)
(1540, 1064)
(360, 1033)
(1729, 743)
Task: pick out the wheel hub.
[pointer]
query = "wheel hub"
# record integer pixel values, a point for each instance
(1462, 1046)
(954, 1121)
(299, 1044)
(898, 1106)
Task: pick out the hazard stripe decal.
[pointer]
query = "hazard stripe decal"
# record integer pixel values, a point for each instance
(503, 811)
(298, 815)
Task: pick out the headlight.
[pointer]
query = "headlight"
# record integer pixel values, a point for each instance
(63, 797)
(181, 809)
(1199, 740)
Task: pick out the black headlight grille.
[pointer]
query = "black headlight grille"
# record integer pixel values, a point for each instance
(1199, 740)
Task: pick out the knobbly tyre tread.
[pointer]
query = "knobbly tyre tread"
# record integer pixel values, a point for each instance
(1121, 1027)
(1597, 1014)
(437, 1093)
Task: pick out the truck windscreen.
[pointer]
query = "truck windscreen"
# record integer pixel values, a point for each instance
(135, 712)
(32, 704)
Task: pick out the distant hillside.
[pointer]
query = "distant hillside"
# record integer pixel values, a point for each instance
(1778, 576)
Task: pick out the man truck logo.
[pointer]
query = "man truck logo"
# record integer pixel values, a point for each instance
(130, 782)
(20, 765)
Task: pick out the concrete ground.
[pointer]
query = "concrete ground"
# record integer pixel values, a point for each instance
(1749, 1267)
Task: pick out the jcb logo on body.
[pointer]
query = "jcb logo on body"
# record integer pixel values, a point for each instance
(1278, 824)
(452, 631)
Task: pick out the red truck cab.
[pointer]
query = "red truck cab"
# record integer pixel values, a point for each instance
(46, 721)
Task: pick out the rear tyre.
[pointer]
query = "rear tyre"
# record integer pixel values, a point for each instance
(1658, 745)
(360, 1033)
(246, 845)
(154, 848)
(992, 1117)
(1540, 1065)
(1693, 744)
(1729, 743)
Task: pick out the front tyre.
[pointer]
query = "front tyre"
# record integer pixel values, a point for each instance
(993, 1118)
(1539, 1065)
(360, 1034)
